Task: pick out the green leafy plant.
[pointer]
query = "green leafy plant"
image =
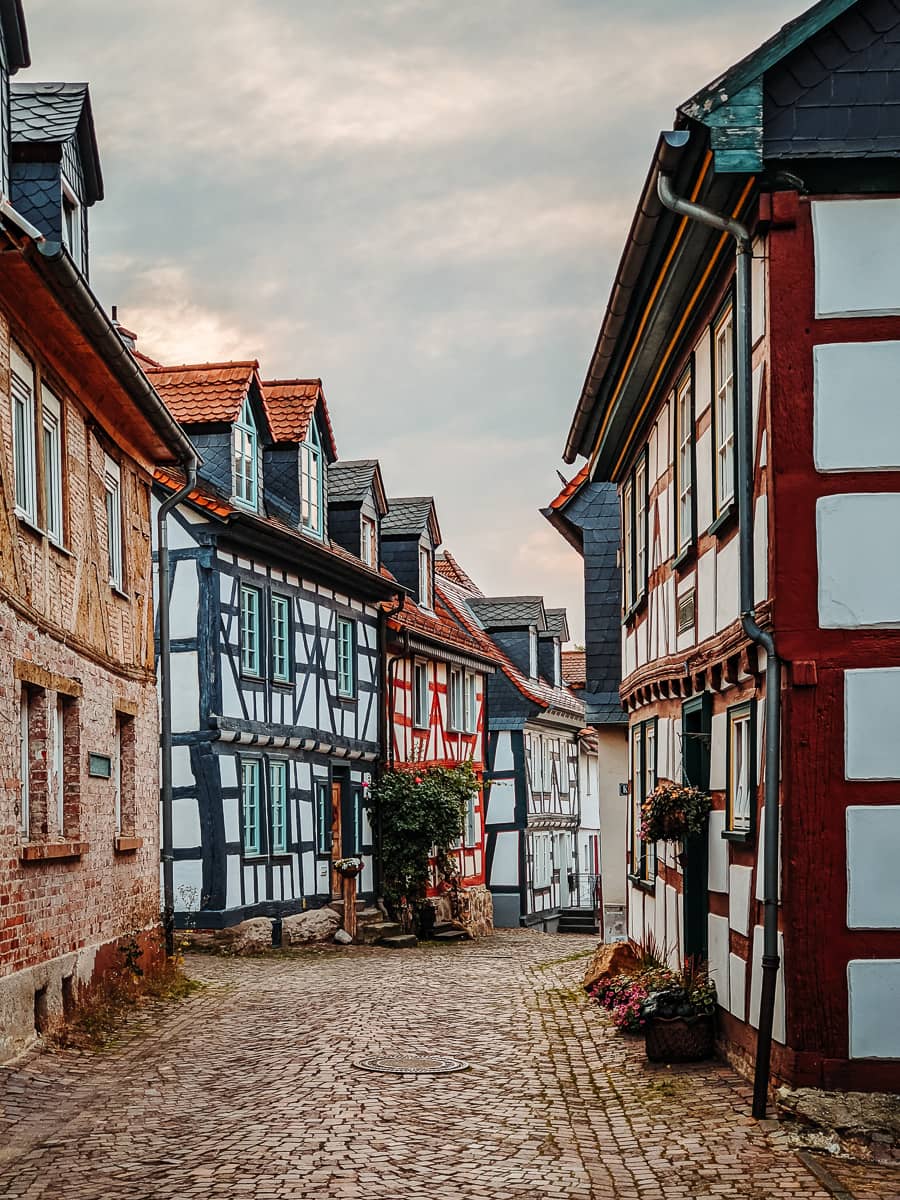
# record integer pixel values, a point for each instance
(422, 810)
(674, 811)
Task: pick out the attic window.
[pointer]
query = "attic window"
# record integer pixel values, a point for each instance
(244, 451)
(369, 542)
(532, 653)
(557, 663)
(311, 481)
(71, 223)
(424, 577)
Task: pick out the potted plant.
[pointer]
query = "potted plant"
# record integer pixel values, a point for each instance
(348, 867)
(679, 1018)
(674, 812)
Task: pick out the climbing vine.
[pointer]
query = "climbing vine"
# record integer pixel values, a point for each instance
(423, 812)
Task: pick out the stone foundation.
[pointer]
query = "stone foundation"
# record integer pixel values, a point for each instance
(471, 908)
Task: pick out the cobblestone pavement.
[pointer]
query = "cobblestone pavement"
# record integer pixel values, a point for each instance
(248, 1089)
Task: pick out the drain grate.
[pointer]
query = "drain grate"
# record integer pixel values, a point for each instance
(411, 1064)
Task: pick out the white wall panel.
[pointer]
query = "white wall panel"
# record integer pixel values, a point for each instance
(185, 821)
(758, 288)
(185, 692)
(856, 420)
(778, 1024)
(761, 550)
(501, 802)
(718, 853)
(727, 584)
(706, 595)
(871, 705)
(505, 868)
(702, 383)
(503, 755)
(718, 742)
(873, 880)
(740, 880)
(737, 986)
(760, 855)
(703, 458)
(859, 576)
(717, 937)
(874, 986)
(673, 945)
(185, 602)
(857, 252)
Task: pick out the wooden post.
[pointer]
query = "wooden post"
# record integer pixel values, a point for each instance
(349, 895)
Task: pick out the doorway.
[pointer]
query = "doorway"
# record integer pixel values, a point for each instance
(696, 731)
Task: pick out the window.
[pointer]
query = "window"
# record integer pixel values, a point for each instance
(457, 704)
(470, 833)
(124, 766)
(741, 782)
(547, 765)
(424, 577)
(71, 223)
(51, 415)
(278, 805)
(628, 544)
(542, 866)
(112, 481)
(684, 464)
(420, 695)
(470, 714)
(244, 456)
(368, 537)
(723, 412)
(25, 763)
(643, 781)
(250, 805)
(532, 653)
(117, 775)
(323, 817)
(56, 782)
(357, 794)
(281, 639)
(24, 465)
(557, 663)
(634, 541)
(311, 481)
(250, 656)
(346, 674)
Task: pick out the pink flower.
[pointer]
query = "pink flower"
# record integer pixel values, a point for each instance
(418, 779)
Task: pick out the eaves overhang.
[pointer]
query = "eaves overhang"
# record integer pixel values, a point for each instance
(435, 648)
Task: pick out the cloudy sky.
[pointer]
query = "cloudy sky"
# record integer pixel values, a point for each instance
(421, 201)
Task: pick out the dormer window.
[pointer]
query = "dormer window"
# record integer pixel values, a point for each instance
(368, 538)
(244, 455)
(557, 663)
(424, 577)
(311, 481)
(71, 223)
(532, 653)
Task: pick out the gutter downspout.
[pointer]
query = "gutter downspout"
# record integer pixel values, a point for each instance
(762, 637)
(165, 689)
(387, 675)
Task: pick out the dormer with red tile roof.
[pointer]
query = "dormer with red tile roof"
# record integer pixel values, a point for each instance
(302, 448)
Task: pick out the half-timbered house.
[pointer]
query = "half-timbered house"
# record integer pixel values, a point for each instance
(275, 654)
(81, 431)
(741, 399)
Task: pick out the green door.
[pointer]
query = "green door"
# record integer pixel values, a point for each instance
(696, 727)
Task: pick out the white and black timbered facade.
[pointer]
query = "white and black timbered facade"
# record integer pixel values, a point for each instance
(275, 656)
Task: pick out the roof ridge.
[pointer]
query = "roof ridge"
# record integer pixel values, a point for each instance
(205, 366)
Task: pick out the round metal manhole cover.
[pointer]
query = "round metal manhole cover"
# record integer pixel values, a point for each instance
(412, 1064)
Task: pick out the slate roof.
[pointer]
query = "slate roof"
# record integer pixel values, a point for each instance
(349, 481)
(290, 403)
(510, 612)
(447, 566)
(557, 623)
(409, 516)
(42, 113)
(204, 393)
(574, 668)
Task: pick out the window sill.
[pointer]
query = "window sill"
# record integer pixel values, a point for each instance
(724, 517)
(117, 591)
(636, 607)
(48, 851)
(737, 835)
(646, 885)
(281, 683)
(59, 547)
(29, 524)
(683, 556)
(124, 844)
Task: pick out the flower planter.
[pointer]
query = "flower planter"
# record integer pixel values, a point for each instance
(680, 1039)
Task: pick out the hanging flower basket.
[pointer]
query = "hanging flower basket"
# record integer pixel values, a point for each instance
(348, 867)
(673, 812)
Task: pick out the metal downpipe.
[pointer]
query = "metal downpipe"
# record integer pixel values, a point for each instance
(744, 338)
(165, 702)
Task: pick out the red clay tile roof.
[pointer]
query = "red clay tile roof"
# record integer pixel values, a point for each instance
(574, 669)
(204, 393)
(447, 567)
(290, 403)
(440, 626)
(571, 488)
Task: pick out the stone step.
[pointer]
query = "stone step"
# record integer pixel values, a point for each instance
(451, 935)
(373, 931)
(401, 941)
(445, 927)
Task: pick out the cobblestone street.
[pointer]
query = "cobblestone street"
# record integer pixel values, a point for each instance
(248, 1089)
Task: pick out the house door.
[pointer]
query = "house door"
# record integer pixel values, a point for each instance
(337, 851)
(564, 863)
(696, 728)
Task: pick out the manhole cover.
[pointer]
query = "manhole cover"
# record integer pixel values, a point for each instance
(411, 1064)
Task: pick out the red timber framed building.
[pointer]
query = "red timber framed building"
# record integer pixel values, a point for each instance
(436, 693)
(752, 430)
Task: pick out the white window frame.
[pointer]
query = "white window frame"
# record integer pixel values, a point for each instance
(684, 463)
(420, 691)
(245, 458)
(532, 652)
(368, 539)
(25, 763)
(738, 807)
(57, 787)
(324, 816)
(628, 544)
(112, 482)
(311, 489)
(250, 647)
(643, 780)
(546, 764)
(542, 865)
(346, 643)
(51, 420)
(724, 415)
(470, 833)
(557, 663)
(251, 825)
(22, 393)
(425, 598)
(470, 703)
(278, 804)
(72, 237)
(281, 638)
(456, 699)
(641, 563)
(117, 768)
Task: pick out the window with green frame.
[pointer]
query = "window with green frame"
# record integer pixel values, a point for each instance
(311, 481)
(244, 451)
(635, 509)
(357, 819)
(278, 805)
(281, 639)
(250, 640)
(250, 805)
(346, 674)
(643, 781)
(323, 817)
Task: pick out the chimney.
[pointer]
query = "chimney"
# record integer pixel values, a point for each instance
(129, 338)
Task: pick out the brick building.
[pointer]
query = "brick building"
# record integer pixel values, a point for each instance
(80, 432)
